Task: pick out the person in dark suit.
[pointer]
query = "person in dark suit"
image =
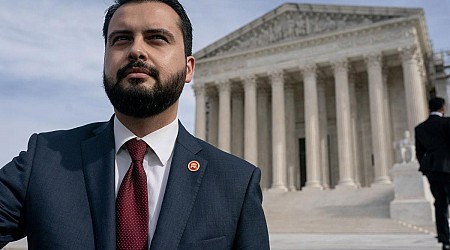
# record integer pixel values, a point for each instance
(433, 152)
(139, 180)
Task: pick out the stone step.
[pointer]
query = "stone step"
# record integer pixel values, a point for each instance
(363, 210)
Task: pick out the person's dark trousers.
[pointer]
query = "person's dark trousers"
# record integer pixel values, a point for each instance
(441, 192)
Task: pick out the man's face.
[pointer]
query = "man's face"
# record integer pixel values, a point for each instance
(145, 67)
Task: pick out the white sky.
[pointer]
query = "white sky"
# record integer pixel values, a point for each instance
(51, 57)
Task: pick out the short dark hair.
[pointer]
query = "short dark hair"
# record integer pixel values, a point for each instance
(436, 103)
(185, 24)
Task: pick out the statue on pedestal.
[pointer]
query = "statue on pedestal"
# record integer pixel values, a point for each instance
(407, 148)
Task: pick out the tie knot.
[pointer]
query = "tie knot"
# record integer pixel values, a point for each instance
(137, 149)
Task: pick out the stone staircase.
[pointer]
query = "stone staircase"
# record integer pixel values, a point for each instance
(335, 219)
(364, 210)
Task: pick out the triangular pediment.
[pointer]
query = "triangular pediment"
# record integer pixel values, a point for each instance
(293, 21)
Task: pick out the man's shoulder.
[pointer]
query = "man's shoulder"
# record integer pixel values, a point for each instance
(433, 120)
(80, 132)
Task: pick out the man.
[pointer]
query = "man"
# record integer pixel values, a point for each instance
(139, 181)
(433, 153)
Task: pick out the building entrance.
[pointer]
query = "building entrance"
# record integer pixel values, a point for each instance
(302, 158)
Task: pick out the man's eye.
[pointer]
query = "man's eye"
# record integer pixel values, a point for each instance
(119, 39)
(158, 37)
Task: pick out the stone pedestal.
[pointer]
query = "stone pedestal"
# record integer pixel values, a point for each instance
(413, 199)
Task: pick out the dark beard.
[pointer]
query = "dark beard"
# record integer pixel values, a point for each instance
(139, 101)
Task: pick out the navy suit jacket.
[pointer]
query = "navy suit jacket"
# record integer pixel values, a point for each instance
(433, 145)
(60, 194)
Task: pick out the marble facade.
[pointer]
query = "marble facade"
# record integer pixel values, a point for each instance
(315, 95)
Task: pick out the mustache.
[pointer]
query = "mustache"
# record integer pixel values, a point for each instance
(150, 70)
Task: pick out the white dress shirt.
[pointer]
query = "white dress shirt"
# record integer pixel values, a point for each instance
(157, 163)
(436, 113)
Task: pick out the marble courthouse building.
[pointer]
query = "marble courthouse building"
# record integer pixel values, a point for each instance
(315, 95)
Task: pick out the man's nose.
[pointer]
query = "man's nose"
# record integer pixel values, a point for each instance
(137, 52)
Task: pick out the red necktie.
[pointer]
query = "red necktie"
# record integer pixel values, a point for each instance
(131, 202)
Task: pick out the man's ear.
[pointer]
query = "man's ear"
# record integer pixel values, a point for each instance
(190, 66)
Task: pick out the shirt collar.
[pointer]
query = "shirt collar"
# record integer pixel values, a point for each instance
(436, 113)
(161, 141)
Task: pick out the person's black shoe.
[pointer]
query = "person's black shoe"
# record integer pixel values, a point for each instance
(446, 246)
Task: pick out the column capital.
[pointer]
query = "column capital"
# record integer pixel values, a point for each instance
(199, 89)
(408, 53)
(309, 70)
(249, 81)
(223, 85)
(340, 64)
(276, 76)
(373, 60)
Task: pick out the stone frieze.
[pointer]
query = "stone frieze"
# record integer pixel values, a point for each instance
(292, 25)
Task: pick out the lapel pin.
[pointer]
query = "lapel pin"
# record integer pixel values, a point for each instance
(193, 166)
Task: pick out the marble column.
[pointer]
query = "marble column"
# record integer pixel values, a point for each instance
(224, 115)
(343, 118)
(291, 137)
(237, 116)
(200, 110)
(357, 166)
(312, 129)
(414, 88)
(377, 119)
(213, 117)
(265, 136)
(323, 124)
(278, 132)
(250, 114)
(387, 119)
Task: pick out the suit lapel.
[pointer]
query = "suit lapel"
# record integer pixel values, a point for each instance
(181, 192)
(98, 168)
